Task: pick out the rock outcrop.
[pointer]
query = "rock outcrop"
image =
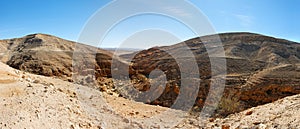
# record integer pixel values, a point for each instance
(52, 56)
(260, 69)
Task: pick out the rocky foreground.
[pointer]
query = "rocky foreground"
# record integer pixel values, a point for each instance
(33, 101)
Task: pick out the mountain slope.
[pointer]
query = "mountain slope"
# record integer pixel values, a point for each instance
(52, 56)
(260, 69)
(279, 114)
(34, 101)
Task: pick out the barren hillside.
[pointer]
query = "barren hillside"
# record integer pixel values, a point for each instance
(260, 69)
(74, 87)
(55, 57)
(33, 101)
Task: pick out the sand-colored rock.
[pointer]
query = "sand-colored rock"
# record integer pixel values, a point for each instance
(281, 114)
(34, 101)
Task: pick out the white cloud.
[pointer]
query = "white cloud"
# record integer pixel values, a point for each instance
(178, 11)
(245, 20)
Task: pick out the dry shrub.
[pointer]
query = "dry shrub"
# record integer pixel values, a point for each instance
(228, 105)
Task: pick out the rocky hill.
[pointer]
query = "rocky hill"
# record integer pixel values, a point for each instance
(55, 57)
(34, 101)
(260, 69)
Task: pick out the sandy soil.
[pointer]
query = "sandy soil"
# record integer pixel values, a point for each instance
(31, 101)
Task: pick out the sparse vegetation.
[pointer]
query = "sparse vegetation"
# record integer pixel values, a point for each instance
(229, 104)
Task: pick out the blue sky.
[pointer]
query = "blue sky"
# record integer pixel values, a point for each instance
(66, 19)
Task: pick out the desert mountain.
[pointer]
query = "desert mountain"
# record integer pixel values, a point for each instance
(260, 69)
(34, 101)
(52, 56)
